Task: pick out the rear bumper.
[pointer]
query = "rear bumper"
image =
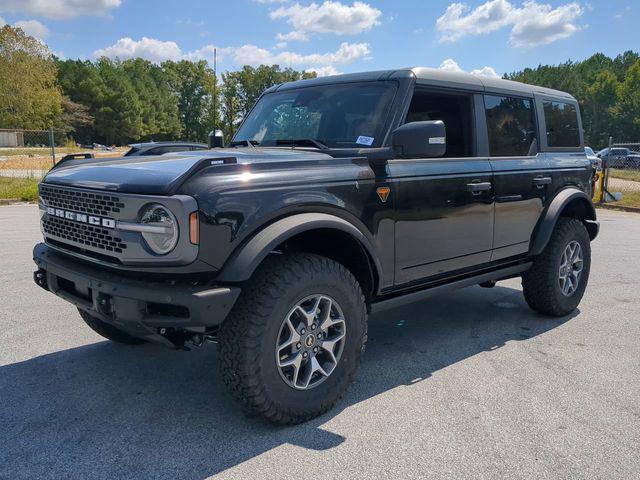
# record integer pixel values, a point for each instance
(137, 306)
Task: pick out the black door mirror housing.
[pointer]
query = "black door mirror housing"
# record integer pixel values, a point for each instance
(216, 139)
(420, 139)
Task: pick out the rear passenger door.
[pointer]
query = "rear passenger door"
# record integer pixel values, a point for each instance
(521, 175)
(444, 206)
(563, 144)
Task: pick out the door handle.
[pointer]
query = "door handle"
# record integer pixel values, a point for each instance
(541, 181)
(478, 187)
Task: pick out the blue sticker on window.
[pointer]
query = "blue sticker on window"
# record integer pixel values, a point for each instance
(362, 140)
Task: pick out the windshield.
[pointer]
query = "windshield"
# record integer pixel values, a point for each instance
(589, 151)
(348, 115)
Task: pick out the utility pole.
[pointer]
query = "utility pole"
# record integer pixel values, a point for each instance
(215, 83)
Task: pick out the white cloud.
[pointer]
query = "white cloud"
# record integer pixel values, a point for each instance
(450, 65)
(293, 35)
(281, 45)
(253, 55)
(540, 24)
(59, 9)
(149, 48)
(33, 28)
(324, 71)
(329, 17)
(490, 16)
(158, 51)
(485, 72)
(531, 24)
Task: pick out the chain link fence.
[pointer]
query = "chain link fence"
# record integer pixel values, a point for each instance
(621, 167)
(27, 153)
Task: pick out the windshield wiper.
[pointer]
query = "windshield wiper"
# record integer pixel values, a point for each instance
(246, 143)
(302, 142)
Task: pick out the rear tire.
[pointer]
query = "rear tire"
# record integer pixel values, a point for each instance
(557, 280)
(109, 331)
(290, 299)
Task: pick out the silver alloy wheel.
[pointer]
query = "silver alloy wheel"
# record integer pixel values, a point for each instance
(571, 265)
(310, 341)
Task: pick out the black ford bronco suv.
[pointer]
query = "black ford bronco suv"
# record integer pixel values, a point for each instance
(338, 197)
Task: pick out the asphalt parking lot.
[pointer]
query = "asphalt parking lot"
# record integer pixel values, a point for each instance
(467, 385)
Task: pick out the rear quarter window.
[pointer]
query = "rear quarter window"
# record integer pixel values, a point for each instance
(561, 119)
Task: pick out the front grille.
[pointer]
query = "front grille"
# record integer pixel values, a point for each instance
(88, 235)
(79, 201)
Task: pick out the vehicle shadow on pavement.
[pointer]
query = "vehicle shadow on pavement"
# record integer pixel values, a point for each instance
(110, 411)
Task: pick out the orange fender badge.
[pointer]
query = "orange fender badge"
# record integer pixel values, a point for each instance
(383, 193)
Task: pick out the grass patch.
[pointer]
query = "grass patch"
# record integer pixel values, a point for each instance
(25, 189)
(629, 199)
(625, 174)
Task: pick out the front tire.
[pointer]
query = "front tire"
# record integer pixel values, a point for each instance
(557, 280)
(293, 342)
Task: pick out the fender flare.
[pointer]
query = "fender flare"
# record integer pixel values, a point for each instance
(244, 261)
(543, 231)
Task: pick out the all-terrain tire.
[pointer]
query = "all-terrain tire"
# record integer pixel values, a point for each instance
(541, 286)
(109, 331)
(249, 336)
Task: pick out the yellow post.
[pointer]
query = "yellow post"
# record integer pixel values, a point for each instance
(600, 186)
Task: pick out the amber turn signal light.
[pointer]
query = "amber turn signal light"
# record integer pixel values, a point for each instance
(194, 225)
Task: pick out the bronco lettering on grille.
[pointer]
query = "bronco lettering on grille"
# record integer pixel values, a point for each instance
(81, 217)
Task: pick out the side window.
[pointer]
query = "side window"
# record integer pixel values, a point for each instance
(455, 110)
(562, 124)
(511, 126)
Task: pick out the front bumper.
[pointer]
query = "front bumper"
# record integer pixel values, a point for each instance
(140, 307)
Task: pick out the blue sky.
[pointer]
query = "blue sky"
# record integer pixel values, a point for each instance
(481, 36)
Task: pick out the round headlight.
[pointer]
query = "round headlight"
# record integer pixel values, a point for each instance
(162, 232)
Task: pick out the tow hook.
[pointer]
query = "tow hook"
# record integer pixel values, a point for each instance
(104, 304)
(40, 277)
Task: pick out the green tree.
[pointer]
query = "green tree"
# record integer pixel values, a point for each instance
(241, 90)
(628, 107)
(29, 95)
(607, 90)
(159, 107)
(118, 119)
(192, 83)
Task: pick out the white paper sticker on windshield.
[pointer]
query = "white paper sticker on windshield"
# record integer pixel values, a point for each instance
(362, 140)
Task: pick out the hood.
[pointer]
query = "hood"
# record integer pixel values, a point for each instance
(163, 174)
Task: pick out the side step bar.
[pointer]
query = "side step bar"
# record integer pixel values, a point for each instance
(407, 298)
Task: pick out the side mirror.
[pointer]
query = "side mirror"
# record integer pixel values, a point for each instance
(420, 139)
(216, 139)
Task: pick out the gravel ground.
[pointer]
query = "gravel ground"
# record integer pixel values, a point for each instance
(467, 385)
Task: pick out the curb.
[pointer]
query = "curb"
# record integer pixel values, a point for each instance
(14, 201)
(620, 207)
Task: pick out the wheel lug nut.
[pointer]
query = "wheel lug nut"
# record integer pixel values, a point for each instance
(302, 332)
(315, 349)
(298, 345)
(305, 355)
(320, 335)
(313, 327)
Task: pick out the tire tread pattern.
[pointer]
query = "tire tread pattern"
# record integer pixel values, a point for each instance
(241, 333)
(540, 283)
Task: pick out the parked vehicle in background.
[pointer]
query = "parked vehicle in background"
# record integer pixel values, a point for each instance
(620, 157)
(97, 146)
(339, 196)
(160, 148)
(596, 161)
